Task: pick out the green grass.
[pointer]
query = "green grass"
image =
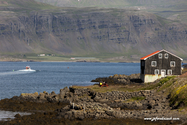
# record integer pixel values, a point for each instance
(123, 88)
(166, 85)
(166, 79)
(161, 83)
(138, 98)
(163, 21)
(178, 93)
(29, 5)
(47, 58)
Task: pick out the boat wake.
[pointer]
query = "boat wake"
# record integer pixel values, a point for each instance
(27, 70)
(23, 71)
(15, 72)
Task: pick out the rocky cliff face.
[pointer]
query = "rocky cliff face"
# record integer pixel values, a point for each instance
(89, 31)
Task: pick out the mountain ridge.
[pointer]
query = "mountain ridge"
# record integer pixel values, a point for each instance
(127, 34)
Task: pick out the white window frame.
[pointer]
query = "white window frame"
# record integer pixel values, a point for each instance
(156, 72)
(166, 55)
(169, 70)
(171, 63)
(152, 62)
(160, 55)
(163, 70)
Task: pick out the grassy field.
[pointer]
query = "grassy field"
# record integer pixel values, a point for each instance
(47, 58)
(129, 88)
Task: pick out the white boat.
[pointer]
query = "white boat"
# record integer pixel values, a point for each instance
(28, 69)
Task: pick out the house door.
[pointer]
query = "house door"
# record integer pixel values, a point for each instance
(163, 73)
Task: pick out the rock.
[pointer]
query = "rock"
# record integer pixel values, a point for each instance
(52, 98)
(97, 98)
(63, 92)
(17, 116)
(120, 79)
(29, 95)
(78, 115)
(110, 113)
(115, 76)
(117, 101)
(53, 93)
(46, 93)
(67, 107)
(42, 96)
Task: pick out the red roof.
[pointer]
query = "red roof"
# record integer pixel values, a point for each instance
(143, 58)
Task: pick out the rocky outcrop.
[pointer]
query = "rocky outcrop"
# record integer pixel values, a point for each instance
(83, 103)
(114, 99)
(156, 106)
(103, 111)
(120, 79)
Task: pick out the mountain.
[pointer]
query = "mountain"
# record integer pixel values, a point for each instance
(113, 3)
(172, 9)
(28, 28)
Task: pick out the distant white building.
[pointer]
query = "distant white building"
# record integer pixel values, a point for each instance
(41, 55)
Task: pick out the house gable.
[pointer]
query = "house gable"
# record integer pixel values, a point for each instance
(156, 52)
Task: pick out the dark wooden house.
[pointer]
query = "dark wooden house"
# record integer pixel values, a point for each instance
(159, 64)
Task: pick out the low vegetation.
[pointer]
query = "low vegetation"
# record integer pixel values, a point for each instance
(138, 98)
(166, 79)
(178, 93)
(175, 87)
(162, 83)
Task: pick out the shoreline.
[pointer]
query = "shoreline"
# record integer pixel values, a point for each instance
(21, 60)
(72, 110)
(80, 104)
(77, 61)
(9, 115)
(125, 100)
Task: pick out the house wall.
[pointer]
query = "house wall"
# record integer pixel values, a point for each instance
(150, 78)
(142, 67)
(163, 64)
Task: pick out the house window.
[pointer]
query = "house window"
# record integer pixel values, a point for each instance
(166, 56)
(172, 64)
(169, 72)
(153, 64)
(156, 71)
(160, 55)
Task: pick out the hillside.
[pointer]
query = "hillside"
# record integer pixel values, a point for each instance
(171, 9)
(111, 3)
(30, 28)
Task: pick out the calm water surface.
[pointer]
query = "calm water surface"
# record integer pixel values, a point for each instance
(52, 76)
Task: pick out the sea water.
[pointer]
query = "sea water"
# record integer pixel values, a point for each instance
(9, 114)
(53, 76)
